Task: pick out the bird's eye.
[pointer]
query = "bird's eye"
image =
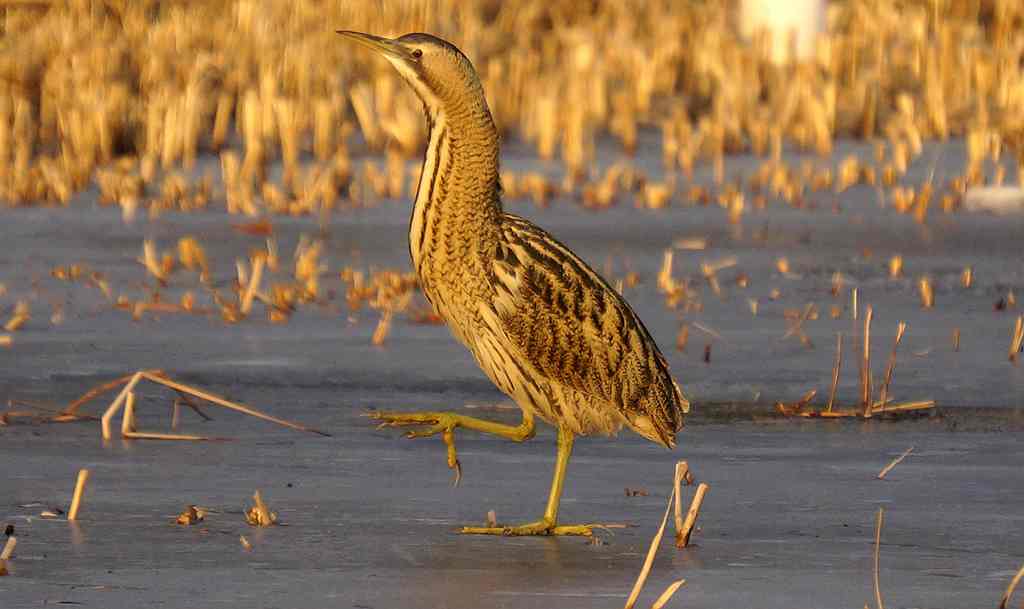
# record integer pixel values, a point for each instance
(417, 53)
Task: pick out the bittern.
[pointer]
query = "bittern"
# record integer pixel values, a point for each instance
(543, 326)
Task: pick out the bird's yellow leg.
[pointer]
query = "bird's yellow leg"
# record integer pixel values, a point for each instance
(548, 525)
(444, 423)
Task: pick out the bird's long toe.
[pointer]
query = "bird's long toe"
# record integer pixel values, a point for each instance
(432, 423)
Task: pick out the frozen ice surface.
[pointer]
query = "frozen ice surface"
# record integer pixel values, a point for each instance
(789, 520)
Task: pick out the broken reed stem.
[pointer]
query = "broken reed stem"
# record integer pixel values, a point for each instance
(878, 543)
(1009, 589)
(76, 499)
(1017, 340)
(905, 407)
(128, 417)
(865, 364)
(116, 404)
(259, 514)
(683, 536)
(649, 560)
(149, 435)
(682, 469)
(894, 463)
(884, 392)
(835, 372)
(209, 397)
(73, 407)
(9, 548)
(667, 594)
(253, 286)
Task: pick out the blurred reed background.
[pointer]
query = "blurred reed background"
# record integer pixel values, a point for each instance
(127, 95)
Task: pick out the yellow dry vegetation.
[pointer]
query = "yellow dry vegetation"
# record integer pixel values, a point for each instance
(139, 90)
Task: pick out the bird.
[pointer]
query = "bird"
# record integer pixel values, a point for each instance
(543, 326)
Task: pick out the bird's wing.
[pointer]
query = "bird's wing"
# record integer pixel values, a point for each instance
(577, 330)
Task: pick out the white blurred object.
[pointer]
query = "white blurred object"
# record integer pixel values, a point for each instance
(784, 20)
(996, 199)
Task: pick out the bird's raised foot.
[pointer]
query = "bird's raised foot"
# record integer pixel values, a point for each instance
(432, 423)
(539, 528)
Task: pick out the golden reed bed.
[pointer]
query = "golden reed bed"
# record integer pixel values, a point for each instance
(124, 94)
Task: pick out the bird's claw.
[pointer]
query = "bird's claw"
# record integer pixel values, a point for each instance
(435, 423)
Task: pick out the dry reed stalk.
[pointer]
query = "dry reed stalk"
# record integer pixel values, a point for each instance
(905, 407)
(853, 304)
(96, 391)
(924, 286)
(191, 516)
(209, 397)
(76, 498)
(1004, 602)
(192, 257)
(361, 99)
(254, 284)
(128, 416)
(835, 372)
(649, 561)
(667, 595)
(682, 337)
(117, 403)
(967, 277)
(865, 364)
(22, 313)
(150, 435)
(288, 133)
(245, 543)
(691, 243)
(878, 545)
(895, 267)
(796, 408)
(8, 550)
(665, 281)
(395, 166)
(172, 137)
(884, 392)
(1017, 339)
(324, 117)
(682, 474)
(259, 514)
(158, 268)
(956, 340)
(221, 121)
(894, 463)
(683, 535)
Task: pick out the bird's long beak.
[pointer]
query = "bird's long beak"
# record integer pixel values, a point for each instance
(384, 46)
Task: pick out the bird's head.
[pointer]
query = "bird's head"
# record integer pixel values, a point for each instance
(436, 69)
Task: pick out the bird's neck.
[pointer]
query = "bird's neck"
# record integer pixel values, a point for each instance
(457, 210)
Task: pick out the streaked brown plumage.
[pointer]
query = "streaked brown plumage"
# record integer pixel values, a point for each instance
(543, 326)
